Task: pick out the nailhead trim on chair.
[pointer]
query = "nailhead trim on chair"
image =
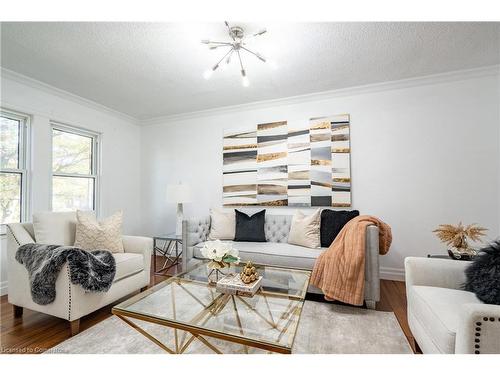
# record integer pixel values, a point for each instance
(69, 296)
(477, 340)
(13, 235)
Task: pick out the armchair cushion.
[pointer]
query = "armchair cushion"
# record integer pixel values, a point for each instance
(437, 311)
(55, 228)
(104, 234)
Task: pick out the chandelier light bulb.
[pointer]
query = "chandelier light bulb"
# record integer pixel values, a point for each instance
(272, 63)
(245, 81)
(208, 73)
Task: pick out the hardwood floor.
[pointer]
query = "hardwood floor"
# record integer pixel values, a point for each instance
(36, 332)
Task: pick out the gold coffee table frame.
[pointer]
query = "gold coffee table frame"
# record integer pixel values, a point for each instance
(284, 326)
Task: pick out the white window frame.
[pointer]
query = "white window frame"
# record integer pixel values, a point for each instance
(95, 168)
(24, 162)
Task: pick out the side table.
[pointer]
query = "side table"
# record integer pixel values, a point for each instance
(447, 257)
(439, 256)
(168, 246)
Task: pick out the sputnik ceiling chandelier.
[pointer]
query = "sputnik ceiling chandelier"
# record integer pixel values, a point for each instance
(236, 46)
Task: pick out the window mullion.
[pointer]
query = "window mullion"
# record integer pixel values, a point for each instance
(75, 175)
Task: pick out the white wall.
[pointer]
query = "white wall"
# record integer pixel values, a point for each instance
(120, 168)
(421, 156)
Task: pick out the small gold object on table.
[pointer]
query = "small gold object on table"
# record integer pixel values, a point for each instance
(249, 273)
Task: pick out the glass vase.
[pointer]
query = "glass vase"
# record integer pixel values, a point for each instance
(215, 271)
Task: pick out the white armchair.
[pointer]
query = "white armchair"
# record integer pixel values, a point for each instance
(72, 302)
(442, 316)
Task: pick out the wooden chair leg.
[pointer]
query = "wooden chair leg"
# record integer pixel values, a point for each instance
(75, 327)
(18, 311)
(416, 348)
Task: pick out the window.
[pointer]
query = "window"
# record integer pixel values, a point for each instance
(13, 167)
(74, 169)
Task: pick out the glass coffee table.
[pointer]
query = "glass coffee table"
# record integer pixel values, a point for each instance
(193, 308)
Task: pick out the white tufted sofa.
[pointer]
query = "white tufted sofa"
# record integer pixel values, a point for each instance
(278, 252)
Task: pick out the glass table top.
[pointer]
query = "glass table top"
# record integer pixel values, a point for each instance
(169, 237)
(187, 300)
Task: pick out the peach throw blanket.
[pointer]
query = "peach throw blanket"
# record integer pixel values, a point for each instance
(340, 271)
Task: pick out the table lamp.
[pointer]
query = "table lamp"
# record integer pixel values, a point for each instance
(179, 194)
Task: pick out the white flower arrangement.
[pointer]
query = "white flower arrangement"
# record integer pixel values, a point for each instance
(220, 253)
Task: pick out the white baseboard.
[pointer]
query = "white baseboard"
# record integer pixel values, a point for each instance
(4, 288)
(390, 273)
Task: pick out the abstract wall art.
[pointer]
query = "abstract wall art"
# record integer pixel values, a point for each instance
(277, 164)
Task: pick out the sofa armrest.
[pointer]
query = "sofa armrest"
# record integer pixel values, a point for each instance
(139, 245)
(478, 330)
(441, 273)
(18, 235)
(136, 244)
(194, 231)
(372, 268)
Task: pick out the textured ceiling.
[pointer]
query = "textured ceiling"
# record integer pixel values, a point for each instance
(148, 70)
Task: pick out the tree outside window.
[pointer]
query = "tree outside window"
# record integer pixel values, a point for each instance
(74, 169)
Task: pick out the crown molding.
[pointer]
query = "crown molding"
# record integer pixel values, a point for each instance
(458, 75)
(49, 89)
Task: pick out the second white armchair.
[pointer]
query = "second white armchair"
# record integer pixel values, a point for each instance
(442, 316)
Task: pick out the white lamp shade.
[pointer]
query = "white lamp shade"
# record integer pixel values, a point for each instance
(178, 193)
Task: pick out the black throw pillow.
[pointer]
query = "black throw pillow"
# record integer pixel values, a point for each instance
(332, 223)
(250, 228)
(483, 275)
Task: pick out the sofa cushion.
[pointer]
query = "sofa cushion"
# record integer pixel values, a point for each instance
(250, 228)
(332, 223)
(127, 264)
(437, 310)
(304, 230)
(222, 224)
(272, 253)
(55, 228)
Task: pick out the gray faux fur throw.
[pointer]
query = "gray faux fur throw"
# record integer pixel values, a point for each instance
(94, 270)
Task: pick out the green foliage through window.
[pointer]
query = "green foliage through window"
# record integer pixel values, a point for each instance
(73, 170)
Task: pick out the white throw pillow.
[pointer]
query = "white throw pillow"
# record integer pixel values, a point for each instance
(103, 235)
(222, 225)
(304, 230)
(55, 228)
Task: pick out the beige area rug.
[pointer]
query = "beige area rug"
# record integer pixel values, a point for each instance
(324, 328)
